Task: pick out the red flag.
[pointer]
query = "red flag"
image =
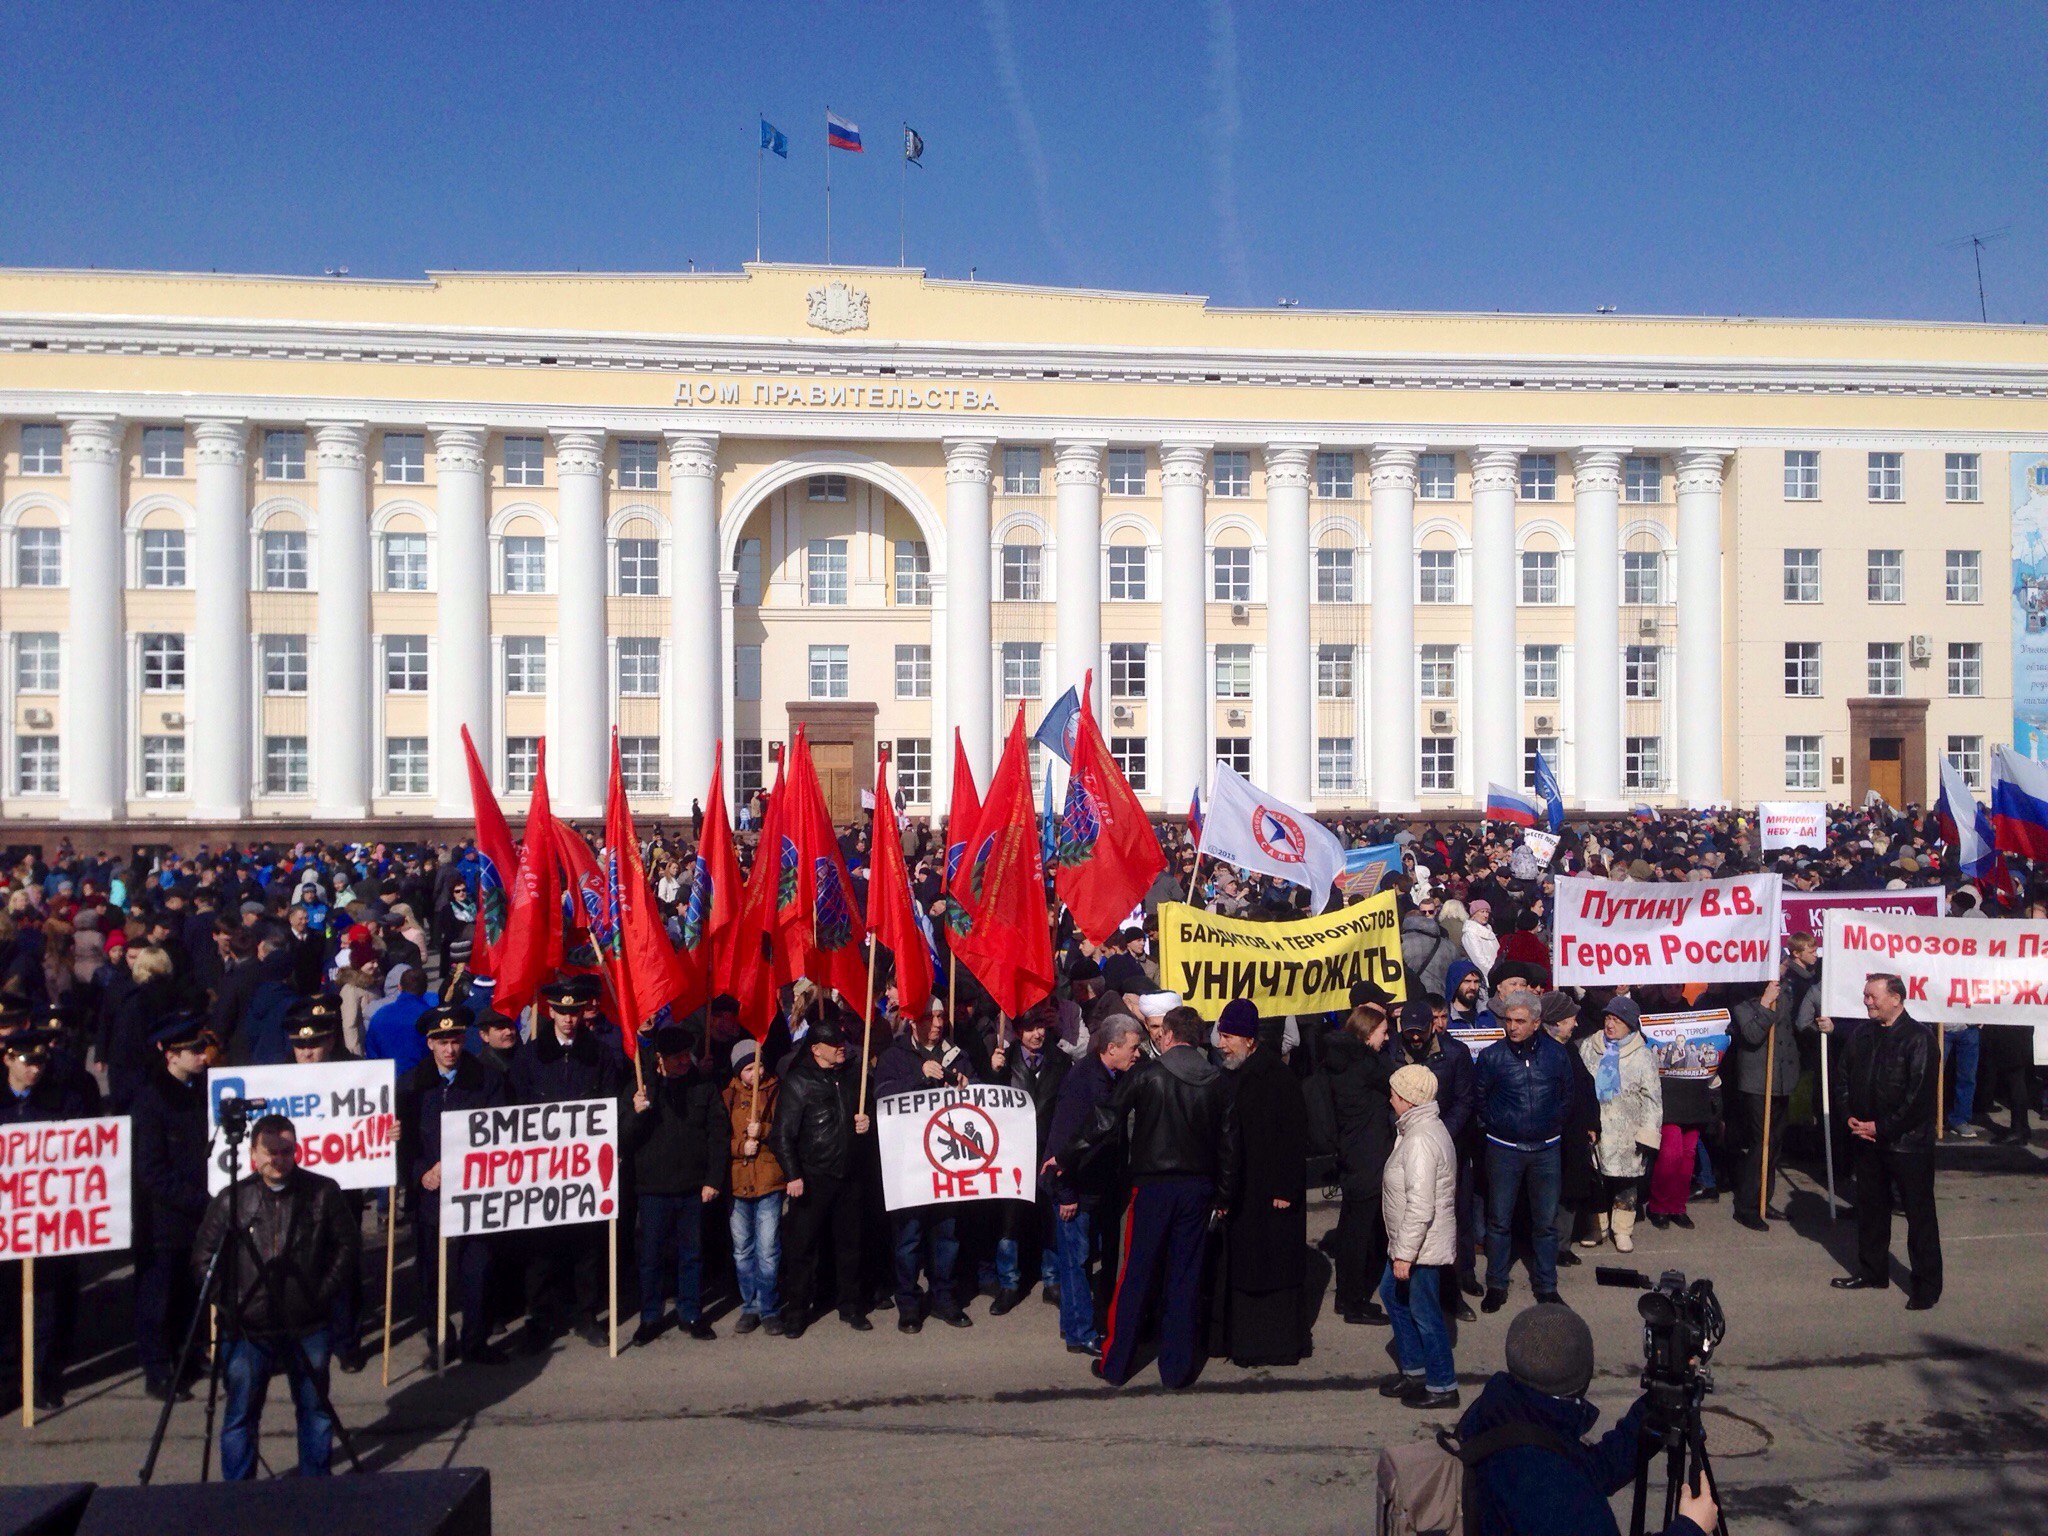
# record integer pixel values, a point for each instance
(822, 928)
(582, 914)
(715, 887)
(1105, 855)
(750, 970)
(960, 820)
(532, 942)
(650, 979)
(1001, 884)
(892, 909)
(497, 863)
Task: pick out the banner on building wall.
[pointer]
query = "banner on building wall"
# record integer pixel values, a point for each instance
(1308, 966)
(1625, 932)
(1803, 910)
(2030, 604)
(1792, 824)
(1956, 970)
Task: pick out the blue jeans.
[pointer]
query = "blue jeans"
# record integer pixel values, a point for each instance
(248, 1365)
(756, 1227)
(1964, 1044)
(1703, 1168)
(1422, 1344)
(1077, 1299)
(1009, 1272)
(929, 1238)
(671, 1225)
(1508, 1169)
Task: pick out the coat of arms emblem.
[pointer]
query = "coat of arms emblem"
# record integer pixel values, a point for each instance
(836, 307)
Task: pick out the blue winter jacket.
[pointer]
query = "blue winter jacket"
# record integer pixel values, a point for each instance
(1524, 1090)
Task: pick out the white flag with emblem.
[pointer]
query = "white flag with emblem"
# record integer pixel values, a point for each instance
(1260, 832)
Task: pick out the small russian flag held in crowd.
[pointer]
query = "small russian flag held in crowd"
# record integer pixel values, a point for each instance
(1195, 815)
(840, 134)
(2019, 804)
(1965, 824)
(1506, 805)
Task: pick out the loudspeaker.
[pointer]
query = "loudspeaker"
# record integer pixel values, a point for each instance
(452, 1503)
(51, 1509)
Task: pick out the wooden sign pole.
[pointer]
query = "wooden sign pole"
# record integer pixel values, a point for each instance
(390, 1271)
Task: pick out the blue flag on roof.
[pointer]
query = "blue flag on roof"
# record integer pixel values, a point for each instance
(1549, 793)
(774, 140)
(1056, 731)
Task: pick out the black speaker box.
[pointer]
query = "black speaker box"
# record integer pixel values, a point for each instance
(451, 1503)
(47, 1509)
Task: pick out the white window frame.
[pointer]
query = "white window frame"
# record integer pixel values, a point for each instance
(636, 566)
(406, 665)
(1023, 471)
(1118, 478)
(1437, 672)
(1023, 664)
(287, 766)
(1336, 671)
(282, 662)
(827, 565)
(1431, 565)
(1536, 477)
(1884, 575)
(1023, 573)
(1436, 767)
(1541, 665)
(1233, 672)
(639, 664)
(1887, 477)
(165, 766)
(1884, 669)
(1336, 574)
(1642, 478)
(527, 554)
(402, 459)
(286, 560)
(47, 559)
(158, 550)
(913, 574)
(1642, 763)
(522, 459)
(1129, 669)
(1802, 761)
(284, 454)
(526, 664)
(829, 671)
(1798, 571)
(408, 559)
(1122, 567)
(1965, 669)
(1546, 566)
(42, 454)
(1642, 672)
(1436, 477)
(1802, 474)
(1230, 473)
(165, 662)
(1967, 753)
(1802, 669)
(1336, 474)
(1962, 478)
(1642, 571)
(1230, 573)
(913, 671)
(639, 463)
(163, 453)
(1963, 575)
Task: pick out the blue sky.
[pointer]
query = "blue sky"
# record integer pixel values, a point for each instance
(1796, 159)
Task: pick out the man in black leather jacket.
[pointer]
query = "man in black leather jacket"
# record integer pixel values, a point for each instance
(817, 1117)
(1889, 1076)
(1182, 1149)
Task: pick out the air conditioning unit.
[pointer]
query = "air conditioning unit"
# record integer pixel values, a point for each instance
(1545, 724)
(173, 719)
(1647, 628)
(1921, 650)
(1442, 721)
(1240, 613)
(1120, 714)
(1234, 716)
(38, 719)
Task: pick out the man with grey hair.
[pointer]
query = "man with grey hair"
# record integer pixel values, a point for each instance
(1525, 1086)
(1082, 1201)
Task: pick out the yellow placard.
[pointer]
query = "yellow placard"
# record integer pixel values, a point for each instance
(1308, 966)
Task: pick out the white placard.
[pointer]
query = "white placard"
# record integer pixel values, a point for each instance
(1626, 932)
(946, 1146)
(65, 1187)
(1792, 824)
(529, 1165)
(344, 1113)
(1957, 970)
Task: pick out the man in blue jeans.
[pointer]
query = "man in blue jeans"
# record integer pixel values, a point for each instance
(1525, 1084)
(1080, 1200)
(1965, 1043)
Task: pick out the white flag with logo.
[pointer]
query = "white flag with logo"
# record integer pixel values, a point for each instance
(1260, 832)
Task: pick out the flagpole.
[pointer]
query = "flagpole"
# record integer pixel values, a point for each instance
(828, 213)
(867, 1015)
(902, 200)
(760, 159)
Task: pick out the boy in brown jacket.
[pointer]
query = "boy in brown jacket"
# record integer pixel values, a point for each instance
(757, 1183)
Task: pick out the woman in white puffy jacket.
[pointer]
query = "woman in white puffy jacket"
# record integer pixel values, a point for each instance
(1631, 1117)
(1419, 1200)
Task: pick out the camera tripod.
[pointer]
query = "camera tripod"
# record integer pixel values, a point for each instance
(1672, 1425)
(217, 1285)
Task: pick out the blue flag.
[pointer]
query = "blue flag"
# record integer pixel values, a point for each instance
(774, 140)
(1048, 824)
(1056, 731)
(1548, 792)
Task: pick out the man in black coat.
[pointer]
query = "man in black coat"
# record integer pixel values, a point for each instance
(170, 1196)
(927, 1236)
(1353, 1076)
(678, 1146)
(1265, 1321)
(447, 1078)
(313, 1033)
(1086, 1205)
(817, 1116)
(35, 1092)
(1038, 1064)
(1889, 1076)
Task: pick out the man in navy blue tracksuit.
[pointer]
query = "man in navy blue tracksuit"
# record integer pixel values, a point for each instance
(1525, 1082)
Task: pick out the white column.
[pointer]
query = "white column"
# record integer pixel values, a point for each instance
(581, 759)
(1596, 626)
(1187, 710)
(96, 723)
(969, 689)
(217, 701)
(462, 688)
(1497, 716)
(342, 687)
(1699, 625)
(1288, 699)
(1392, 705)
(1077, 476)
(696, 638)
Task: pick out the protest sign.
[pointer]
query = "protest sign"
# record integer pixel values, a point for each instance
(342, 1110)
(1366, 869)
(1802, 910)
(1300, 967)
(1542, 844)
(1477, 1037)
(944, 1146)
(1687, 1045)
(1622, 932)
(529, 1165)
(1957, 970)
(1792, 824)
(65, 1187)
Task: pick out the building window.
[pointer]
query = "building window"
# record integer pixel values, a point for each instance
(1231, 472)
(1336, 765)
(405, 562)
(1539, 477)
(284, 455)
(1436, 477)
(35, 765)
(1336, 476)
(1967, 753)
(1438, 572)
(1539, 671)
(1965, 670)
(1021, 472)
(163, 765)
(163, 663)
(828, 671)
(284, 560)
(526, 664)
(284, 663)
(405, 664)
(1439, 764)
(1126, 472)
(526, 563)
(522, 763)
(1539, 575)
(39, 557)
(1127, 573)
(1335, 665)
(1885, 578)
(639, 463)
(913, 671)
(1642, 763)
(1023, 570)
(1126, 670)
(1802, 762)
(405, 463)
(639, 562)
(825, 488)
(1334, 576)
(825, 573)
(523, 459)
(1532, 748)
(913, 574)
(1964, 576)
(1802, 575)
(639, 667)
(1233, 671)
(746, 565)
(1640, 672)
(1887, 477)
(1129, 752)
(1885, 669)
(1231, 575)
(1802, 669)
(1642, 577)
(1021, 669)
(746, 673)
(163, 453)
(1802, 475)
(1642, 478)
(36, 664)
(42, 449)
(640, 764)
(405, 765)
(1236, 751)
(914, 770)
(1439, 672)
(163, 557)
(1960, 478)
(284, 765)
(747, 760)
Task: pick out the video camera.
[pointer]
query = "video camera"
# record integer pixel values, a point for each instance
(234, 1114)
(1682, 1326)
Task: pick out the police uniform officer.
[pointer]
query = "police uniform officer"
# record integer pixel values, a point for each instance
(313, 1031)
(170, 1194)
(34, 1091)
(448, 1077)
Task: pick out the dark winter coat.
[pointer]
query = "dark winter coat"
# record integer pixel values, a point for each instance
(1457, 1079)
(422, 1098)
(1526, 1490)
(677, 1145)
(1180, 1122)
(1524, 1090)
(307, 1239)
(1357, 1077)
(812, 1137)
(1268, 1246)
(548, 1072)
(170, 1160)
(1889, 1078)
(1086, 1089)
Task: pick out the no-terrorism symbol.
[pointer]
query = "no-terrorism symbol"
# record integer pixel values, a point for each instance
(961, 1138)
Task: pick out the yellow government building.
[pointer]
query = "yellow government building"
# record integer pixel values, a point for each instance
(269, 544)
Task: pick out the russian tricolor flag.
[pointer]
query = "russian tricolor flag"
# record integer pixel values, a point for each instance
(840, 134)
(2019, 804)
(1965, 824)
(1506, 805)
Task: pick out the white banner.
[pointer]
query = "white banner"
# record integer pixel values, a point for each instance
(342, 1110)
(65, 1187)
(1792, 824)
(1957, 970)
(529, 1165)
(945, 1146)
(1621, 932)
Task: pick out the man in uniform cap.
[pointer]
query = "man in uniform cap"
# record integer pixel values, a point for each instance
(677, 1142)
(817, 1116)
(35, 1093)
(312, 1027)
(170, 1195)
(498, 1043)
